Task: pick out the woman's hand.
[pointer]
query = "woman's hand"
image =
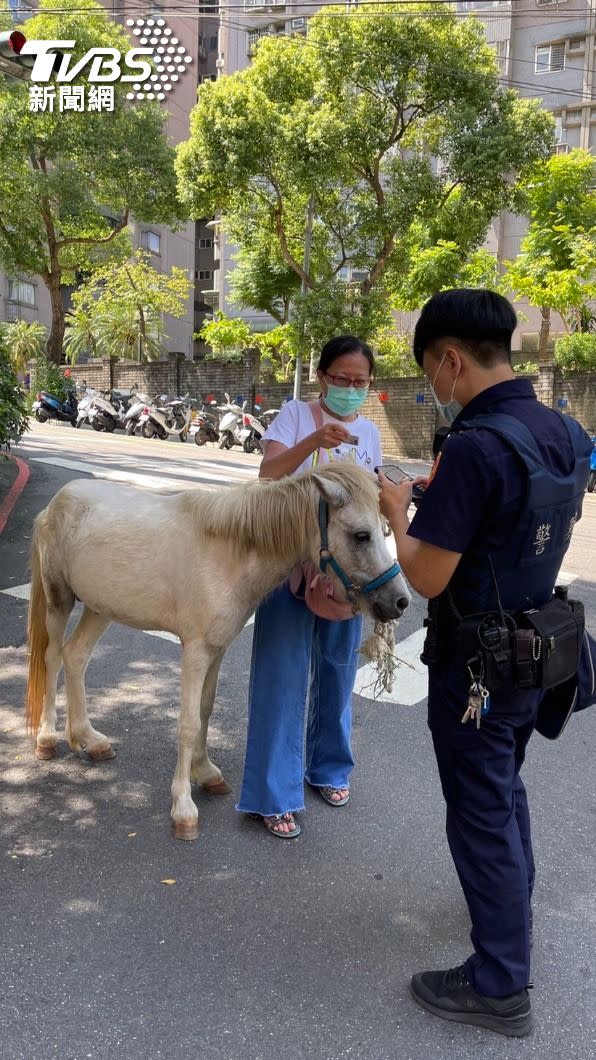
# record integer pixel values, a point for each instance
(330, 435)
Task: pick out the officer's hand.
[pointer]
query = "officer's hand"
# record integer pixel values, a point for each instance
(330, 435)
(394, 500)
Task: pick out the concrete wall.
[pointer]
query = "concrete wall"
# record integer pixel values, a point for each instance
(403, 409)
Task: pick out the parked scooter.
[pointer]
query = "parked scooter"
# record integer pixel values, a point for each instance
(85, 410)
(254, 427)
(134, 412)
(592, 475)
(108, 410)
(205, 425)
(170, 418)
(49, 407)
(230, 423)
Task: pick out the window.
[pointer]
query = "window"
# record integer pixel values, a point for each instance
(151, 241)
(549, 58)
(549, 3)
(205, 274)
(21, 291)
(205, 244)
(502, 53)
(212, 44)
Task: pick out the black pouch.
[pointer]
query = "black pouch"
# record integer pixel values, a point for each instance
(546, 650)
(484, 642)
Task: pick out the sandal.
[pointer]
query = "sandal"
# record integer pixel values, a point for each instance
(272, 819)
(327, 793)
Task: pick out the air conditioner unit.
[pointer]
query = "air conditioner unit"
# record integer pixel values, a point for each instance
(561, 149)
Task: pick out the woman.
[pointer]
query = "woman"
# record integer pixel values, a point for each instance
(297, 656)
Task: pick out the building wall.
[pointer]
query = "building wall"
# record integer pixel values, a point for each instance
(403, 409)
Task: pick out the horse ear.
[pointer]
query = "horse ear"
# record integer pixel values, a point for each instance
(333, 492)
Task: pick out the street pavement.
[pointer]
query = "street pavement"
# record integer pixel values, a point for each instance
(260, 949)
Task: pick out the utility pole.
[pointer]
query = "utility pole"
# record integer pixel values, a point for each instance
(305, 268)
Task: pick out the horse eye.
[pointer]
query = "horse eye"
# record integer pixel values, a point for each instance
(362, 535)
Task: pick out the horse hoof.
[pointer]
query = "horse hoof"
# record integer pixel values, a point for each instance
(45, 751)
(103, 754)
(187, 830)
(217, 787)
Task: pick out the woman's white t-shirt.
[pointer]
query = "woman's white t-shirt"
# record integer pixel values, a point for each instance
(295, 422)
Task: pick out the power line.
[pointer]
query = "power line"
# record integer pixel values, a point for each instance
(431, 9)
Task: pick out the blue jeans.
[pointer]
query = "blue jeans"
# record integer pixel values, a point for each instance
(297, 658)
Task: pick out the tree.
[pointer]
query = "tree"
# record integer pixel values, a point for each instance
(355, 116)
(24, 343)
(576, 353)
(118, 312)
(69, 182)
(227, 338)
(13, 413)
(556, 269)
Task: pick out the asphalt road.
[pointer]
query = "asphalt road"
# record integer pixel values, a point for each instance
(260, 950)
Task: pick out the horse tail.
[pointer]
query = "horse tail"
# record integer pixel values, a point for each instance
(37, 634)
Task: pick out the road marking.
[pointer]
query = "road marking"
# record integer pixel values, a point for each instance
(23, 592)
(411, 680)
(137, 478)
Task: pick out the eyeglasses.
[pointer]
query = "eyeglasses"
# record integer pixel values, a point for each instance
(343, 381)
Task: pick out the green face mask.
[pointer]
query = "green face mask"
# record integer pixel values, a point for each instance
(344, 400)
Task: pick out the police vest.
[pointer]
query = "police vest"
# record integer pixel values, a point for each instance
(526, 568)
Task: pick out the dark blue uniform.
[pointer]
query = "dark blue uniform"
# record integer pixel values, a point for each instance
(473, 506)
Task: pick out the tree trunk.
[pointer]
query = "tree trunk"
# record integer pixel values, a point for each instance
(55, 343)
(544, 334)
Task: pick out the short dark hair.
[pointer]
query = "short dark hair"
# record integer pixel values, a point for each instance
(344, 344)
(483, 320)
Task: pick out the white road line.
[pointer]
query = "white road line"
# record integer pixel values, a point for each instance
(134, 477)
(22, 592)
(411, 679)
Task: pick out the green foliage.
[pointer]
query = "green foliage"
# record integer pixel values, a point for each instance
(70, 181)
(277, 349)
(48, 376)
(117, 312)
(352, 116)
(576, 353)
(25, 343)
(556, 269)
(393, 355)
(526, 368)
(13, 412)
(227, 338)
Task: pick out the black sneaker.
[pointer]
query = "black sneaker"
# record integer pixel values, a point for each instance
(450, 996)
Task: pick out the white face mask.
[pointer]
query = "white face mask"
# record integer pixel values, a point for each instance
(450, 409)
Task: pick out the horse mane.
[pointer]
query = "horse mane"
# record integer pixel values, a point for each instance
(276, 517)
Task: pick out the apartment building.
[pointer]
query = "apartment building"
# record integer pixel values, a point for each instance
(546, 51)
(26, 298)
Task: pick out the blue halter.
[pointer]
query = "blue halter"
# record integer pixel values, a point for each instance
(326, 559)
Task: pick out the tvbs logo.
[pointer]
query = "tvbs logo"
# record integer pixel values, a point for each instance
(105, 64)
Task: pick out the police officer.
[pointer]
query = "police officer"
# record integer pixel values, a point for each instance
(472, 541)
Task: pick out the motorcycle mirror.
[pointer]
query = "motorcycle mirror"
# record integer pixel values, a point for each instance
(227, 397)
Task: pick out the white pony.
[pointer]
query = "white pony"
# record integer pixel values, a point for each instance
(205, 560)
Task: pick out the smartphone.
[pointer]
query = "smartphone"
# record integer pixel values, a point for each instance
(394, 473)
(352, 440)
